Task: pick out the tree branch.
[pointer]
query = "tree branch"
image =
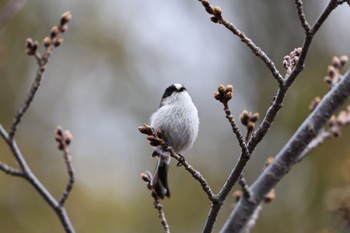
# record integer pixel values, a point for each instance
(10, 170)
(218, 18)
(25, 172)
(288, 156)
(147, 178)
(276, 105)
(64, 138)
(35, 182)
(301, 14)
(155, 139)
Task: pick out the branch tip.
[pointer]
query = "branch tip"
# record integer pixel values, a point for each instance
(66, 17)
(63, 137)
(31, 46)
(224, 94)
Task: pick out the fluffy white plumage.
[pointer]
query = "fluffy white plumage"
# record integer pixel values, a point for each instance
(177, 117)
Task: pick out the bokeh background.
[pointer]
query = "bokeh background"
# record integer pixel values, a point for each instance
(107, 79)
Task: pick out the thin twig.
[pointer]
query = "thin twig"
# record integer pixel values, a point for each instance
(64, 138)
(70, 170)
(321, 137)
(161, 215)
(147, 178)
(35, 182)
(245, 188)
(22, 110)
(255, 49)
(289, 79)
(196, 174)
(301, 14)
(10, 170)
(236, 131)
(218, 18)
(31, 49)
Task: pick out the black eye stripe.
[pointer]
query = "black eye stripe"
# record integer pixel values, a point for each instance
(171, 89)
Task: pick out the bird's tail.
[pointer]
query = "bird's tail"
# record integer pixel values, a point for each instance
(160, 178)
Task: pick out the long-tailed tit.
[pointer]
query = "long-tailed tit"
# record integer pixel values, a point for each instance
(177, 118)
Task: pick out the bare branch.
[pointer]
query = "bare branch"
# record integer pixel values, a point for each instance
(276, 105)
(236, 131)
(245, 188)
(10, 170)
(161, 215)
(224, 95)
(155, 139)
(147, 178)
(195, 174)
(25, 172)
(289, 155)
(218, 18)
(301, 14)
(28, 100)
(64, 138)
(35, 182)
(50, 44)
(289, 79)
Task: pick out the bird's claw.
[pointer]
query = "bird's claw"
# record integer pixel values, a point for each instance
(181, 161)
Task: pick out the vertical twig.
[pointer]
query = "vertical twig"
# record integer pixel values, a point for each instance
(147, 178)
(64, 138)
(161, 215)
(301, 14)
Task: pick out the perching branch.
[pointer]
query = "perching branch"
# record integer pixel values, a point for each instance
(62, 136)
(155, 139)
(289, 155)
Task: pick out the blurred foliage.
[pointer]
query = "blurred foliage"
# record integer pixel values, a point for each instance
(108, 77)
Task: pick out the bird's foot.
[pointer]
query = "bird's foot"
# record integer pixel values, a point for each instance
(181, 161)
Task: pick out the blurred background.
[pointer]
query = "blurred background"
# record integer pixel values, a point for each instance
(107, 79)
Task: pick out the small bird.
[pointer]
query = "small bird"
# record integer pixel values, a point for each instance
(177, 118)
